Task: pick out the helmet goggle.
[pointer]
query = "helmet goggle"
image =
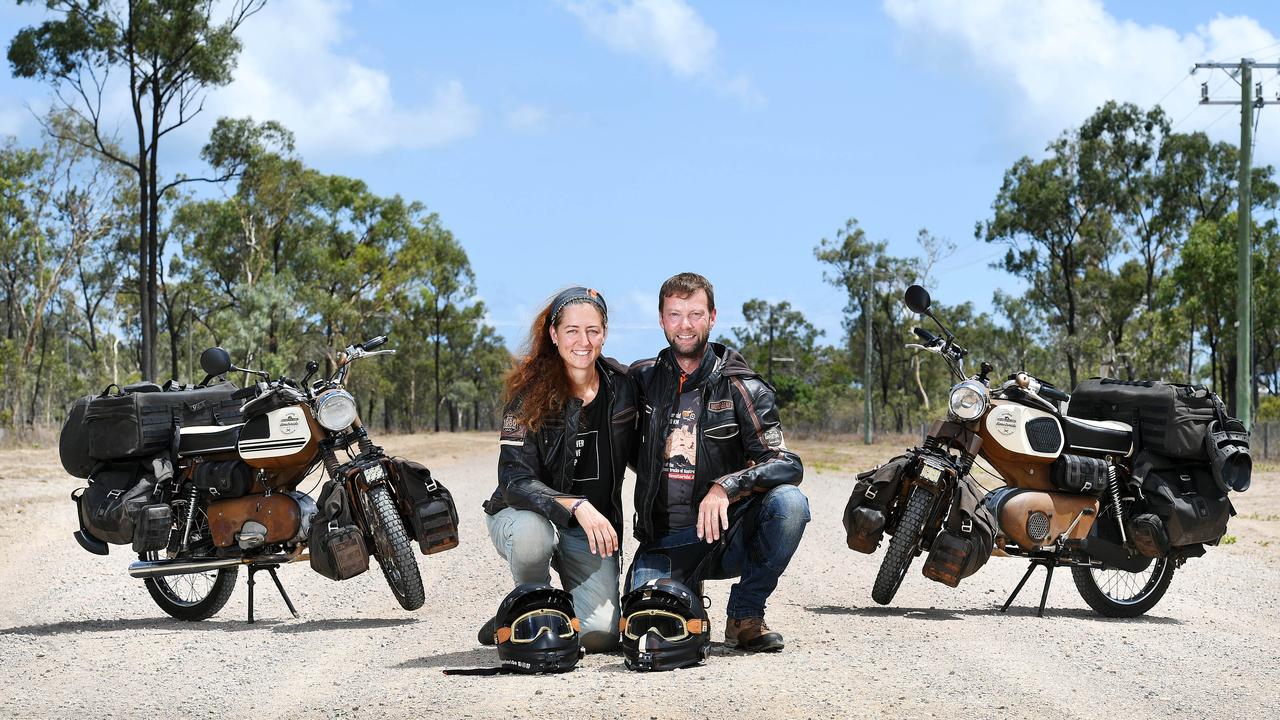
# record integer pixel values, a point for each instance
(531, 625)
(669, 625)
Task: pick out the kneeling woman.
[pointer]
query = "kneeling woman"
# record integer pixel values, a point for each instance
(567, 431)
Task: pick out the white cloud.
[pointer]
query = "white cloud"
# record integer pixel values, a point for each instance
(292, 71)
(528, 118)
(669, 32)
(12, 120)
(1056, 61)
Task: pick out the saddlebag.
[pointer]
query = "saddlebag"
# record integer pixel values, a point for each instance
(140, 420)
(1184, 498)
(866, 513)
(224, 478)
(1169, 419)
(73, 441)
(110, 506)
(336, 545)
(152, 527)
(964, 544)
(433, 518)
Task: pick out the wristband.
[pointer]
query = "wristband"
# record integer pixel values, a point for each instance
(573, 509)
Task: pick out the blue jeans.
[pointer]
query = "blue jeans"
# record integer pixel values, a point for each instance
(756, 550)
(533, 545)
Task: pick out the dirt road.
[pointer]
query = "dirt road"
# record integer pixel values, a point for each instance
(79, 638)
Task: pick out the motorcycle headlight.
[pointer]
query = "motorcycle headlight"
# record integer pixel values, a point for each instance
(968, 400)
(336, 410)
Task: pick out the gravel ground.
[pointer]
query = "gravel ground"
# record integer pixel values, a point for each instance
(79, 638)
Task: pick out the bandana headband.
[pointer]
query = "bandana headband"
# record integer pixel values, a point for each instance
(575, 294)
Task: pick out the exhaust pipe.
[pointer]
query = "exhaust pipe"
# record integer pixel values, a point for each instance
(165, 568)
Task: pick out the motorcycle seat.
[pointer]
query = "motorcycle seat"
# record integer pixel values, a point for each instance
(206, 439)
(1097, 437)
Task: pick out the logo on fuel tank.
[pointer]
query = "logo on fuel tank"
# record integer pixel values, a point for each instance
(1005, 424)
(289, 423)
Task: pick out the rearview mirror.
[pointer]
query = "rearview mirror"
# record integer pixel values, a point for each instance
(215, 361)
(917, 299)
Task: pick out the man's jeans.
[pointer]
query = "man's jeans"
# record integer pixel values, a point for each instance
(533, 545)
(757, 551)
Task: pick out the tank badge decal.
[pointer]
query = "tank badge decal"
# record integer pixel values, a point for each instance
(289, 423)
(1005, 423)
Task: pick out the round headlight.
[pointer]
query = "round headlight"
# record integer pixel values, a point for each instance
(968, 400)
(336, 410)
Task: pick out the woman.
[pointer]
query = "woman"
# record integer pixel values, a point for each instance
(567, 431)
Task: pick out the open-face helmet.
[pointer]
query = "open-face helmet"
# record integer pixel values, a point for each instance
(664, 626)
(536, 630)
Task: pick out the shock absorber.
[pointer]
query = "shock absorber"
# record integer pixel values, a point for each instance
(1113, 486)
(191, 515)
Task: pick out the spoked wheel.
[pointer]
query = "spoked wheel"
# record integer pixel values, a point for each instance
(1121, 594)
(393, 549)
(902, 548)
(195, 596)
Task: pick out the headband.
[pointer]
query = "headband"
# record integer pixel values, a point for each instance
(575, 294)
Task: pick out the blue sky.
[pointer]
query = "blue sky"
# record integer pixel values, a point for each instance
(616, 143)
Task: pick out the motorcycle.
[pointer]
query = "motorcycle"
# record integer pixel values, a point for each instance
(219, 497)
(1071, 497)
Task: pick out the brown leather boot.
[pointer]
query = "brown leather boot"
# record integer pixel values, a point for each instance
(751, 634)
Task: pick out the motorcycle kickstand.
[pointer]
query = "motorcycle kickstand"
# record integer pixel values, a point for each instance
(271, 570)
(1044, 595)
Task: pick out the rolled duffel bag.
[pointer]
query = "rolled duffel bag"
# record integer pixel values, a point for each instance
(139, 421)
(1169, 419)
(336, 545)
(110, 506)
(433, 517)
(73, 441)
(964, 544)
(866, 513)
(1190, 505)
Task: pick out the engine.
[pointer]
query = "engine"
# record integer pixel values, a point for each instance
(258, 520)
(1033, 519)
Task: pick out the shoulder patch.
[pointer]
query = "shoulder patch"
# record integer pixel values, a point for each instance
(720, 405)
(773, 436)
(512, 429)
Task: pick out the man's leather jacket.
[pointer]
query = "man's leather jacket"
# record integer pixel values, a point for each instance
(739, 438)
(536, 466)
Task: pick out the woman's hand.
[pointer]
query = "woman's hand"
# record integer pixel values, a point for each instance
(601, 536)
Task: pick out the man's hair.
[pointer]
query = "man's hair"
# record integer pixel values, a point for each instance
(684, 285)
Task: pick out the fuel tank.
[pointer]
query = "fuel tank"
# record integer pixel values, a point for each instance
(283, 438)
(1033, 519)
(1021, 442)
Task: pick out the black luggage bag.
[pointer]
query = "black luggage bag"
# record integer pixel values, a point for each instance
(966, 539)
(866, 513)
(73, 441)
(1185, 505)
(336, 545)
(433, 517)
(1169, 419)
(110, 506)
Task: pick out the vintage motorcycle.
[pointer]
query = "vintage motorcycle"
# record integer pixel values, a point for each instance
(204, 480)
(1072, 497)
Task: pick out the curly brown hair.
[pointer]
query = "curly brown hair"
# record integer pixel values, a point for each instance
(537, 378)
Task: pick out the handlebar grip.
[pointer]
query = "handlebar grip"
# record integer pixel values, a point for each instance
(1054, 393)
(925, 335)
(374, 342)
(245, 392)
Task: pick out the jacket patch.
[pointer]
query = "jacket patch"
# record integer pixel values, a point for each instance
(773, 437)
(720, 405)
(511, 428)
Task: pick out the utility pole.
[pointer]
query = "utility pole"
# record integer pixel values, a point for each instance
(1244, 246)
(866, 365)
(770, 372)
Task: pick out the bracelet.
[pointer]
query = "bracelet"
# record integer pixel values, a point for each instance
(573, 509)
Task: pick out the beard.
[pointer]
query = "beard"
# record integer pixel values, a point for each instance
(690, 349)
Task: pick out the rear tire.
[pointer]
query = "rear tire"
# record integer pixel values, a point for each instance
(393, 549)
(192, 597)
(1120, 594)
(902, 548)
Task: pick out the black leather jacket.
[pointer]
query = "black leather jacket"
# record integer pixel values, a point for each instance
(739, 440)
(536, 467)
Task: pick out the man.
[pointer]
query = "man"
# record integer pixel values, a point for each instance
(716, 493)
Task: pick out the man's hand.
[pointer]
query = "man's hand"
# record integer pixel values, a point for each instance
(713, 514)
(601, 536)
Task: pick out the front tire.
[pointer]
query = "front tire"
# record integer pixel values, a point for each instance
(1120, 594)
(902, 548)
(393, 549)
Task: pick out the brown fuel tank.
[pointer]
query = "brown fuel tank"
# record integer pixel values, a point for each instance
(1034, 519)
(1021, 443)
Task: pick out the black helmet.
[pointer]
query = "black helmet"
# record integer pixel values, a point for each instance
(664, 626)
(536, 630)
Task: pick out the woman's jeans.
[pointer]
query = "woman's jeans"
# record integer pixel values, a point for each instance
(756, 550)
(533, 545)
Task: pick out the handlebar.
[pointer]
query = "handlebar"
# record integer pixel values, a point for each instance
(1054, 393)
(245, 393)
(373, 342)
(925, 335)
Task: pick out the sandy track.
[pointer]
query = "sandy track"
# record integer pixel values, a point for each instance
(79, 638)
